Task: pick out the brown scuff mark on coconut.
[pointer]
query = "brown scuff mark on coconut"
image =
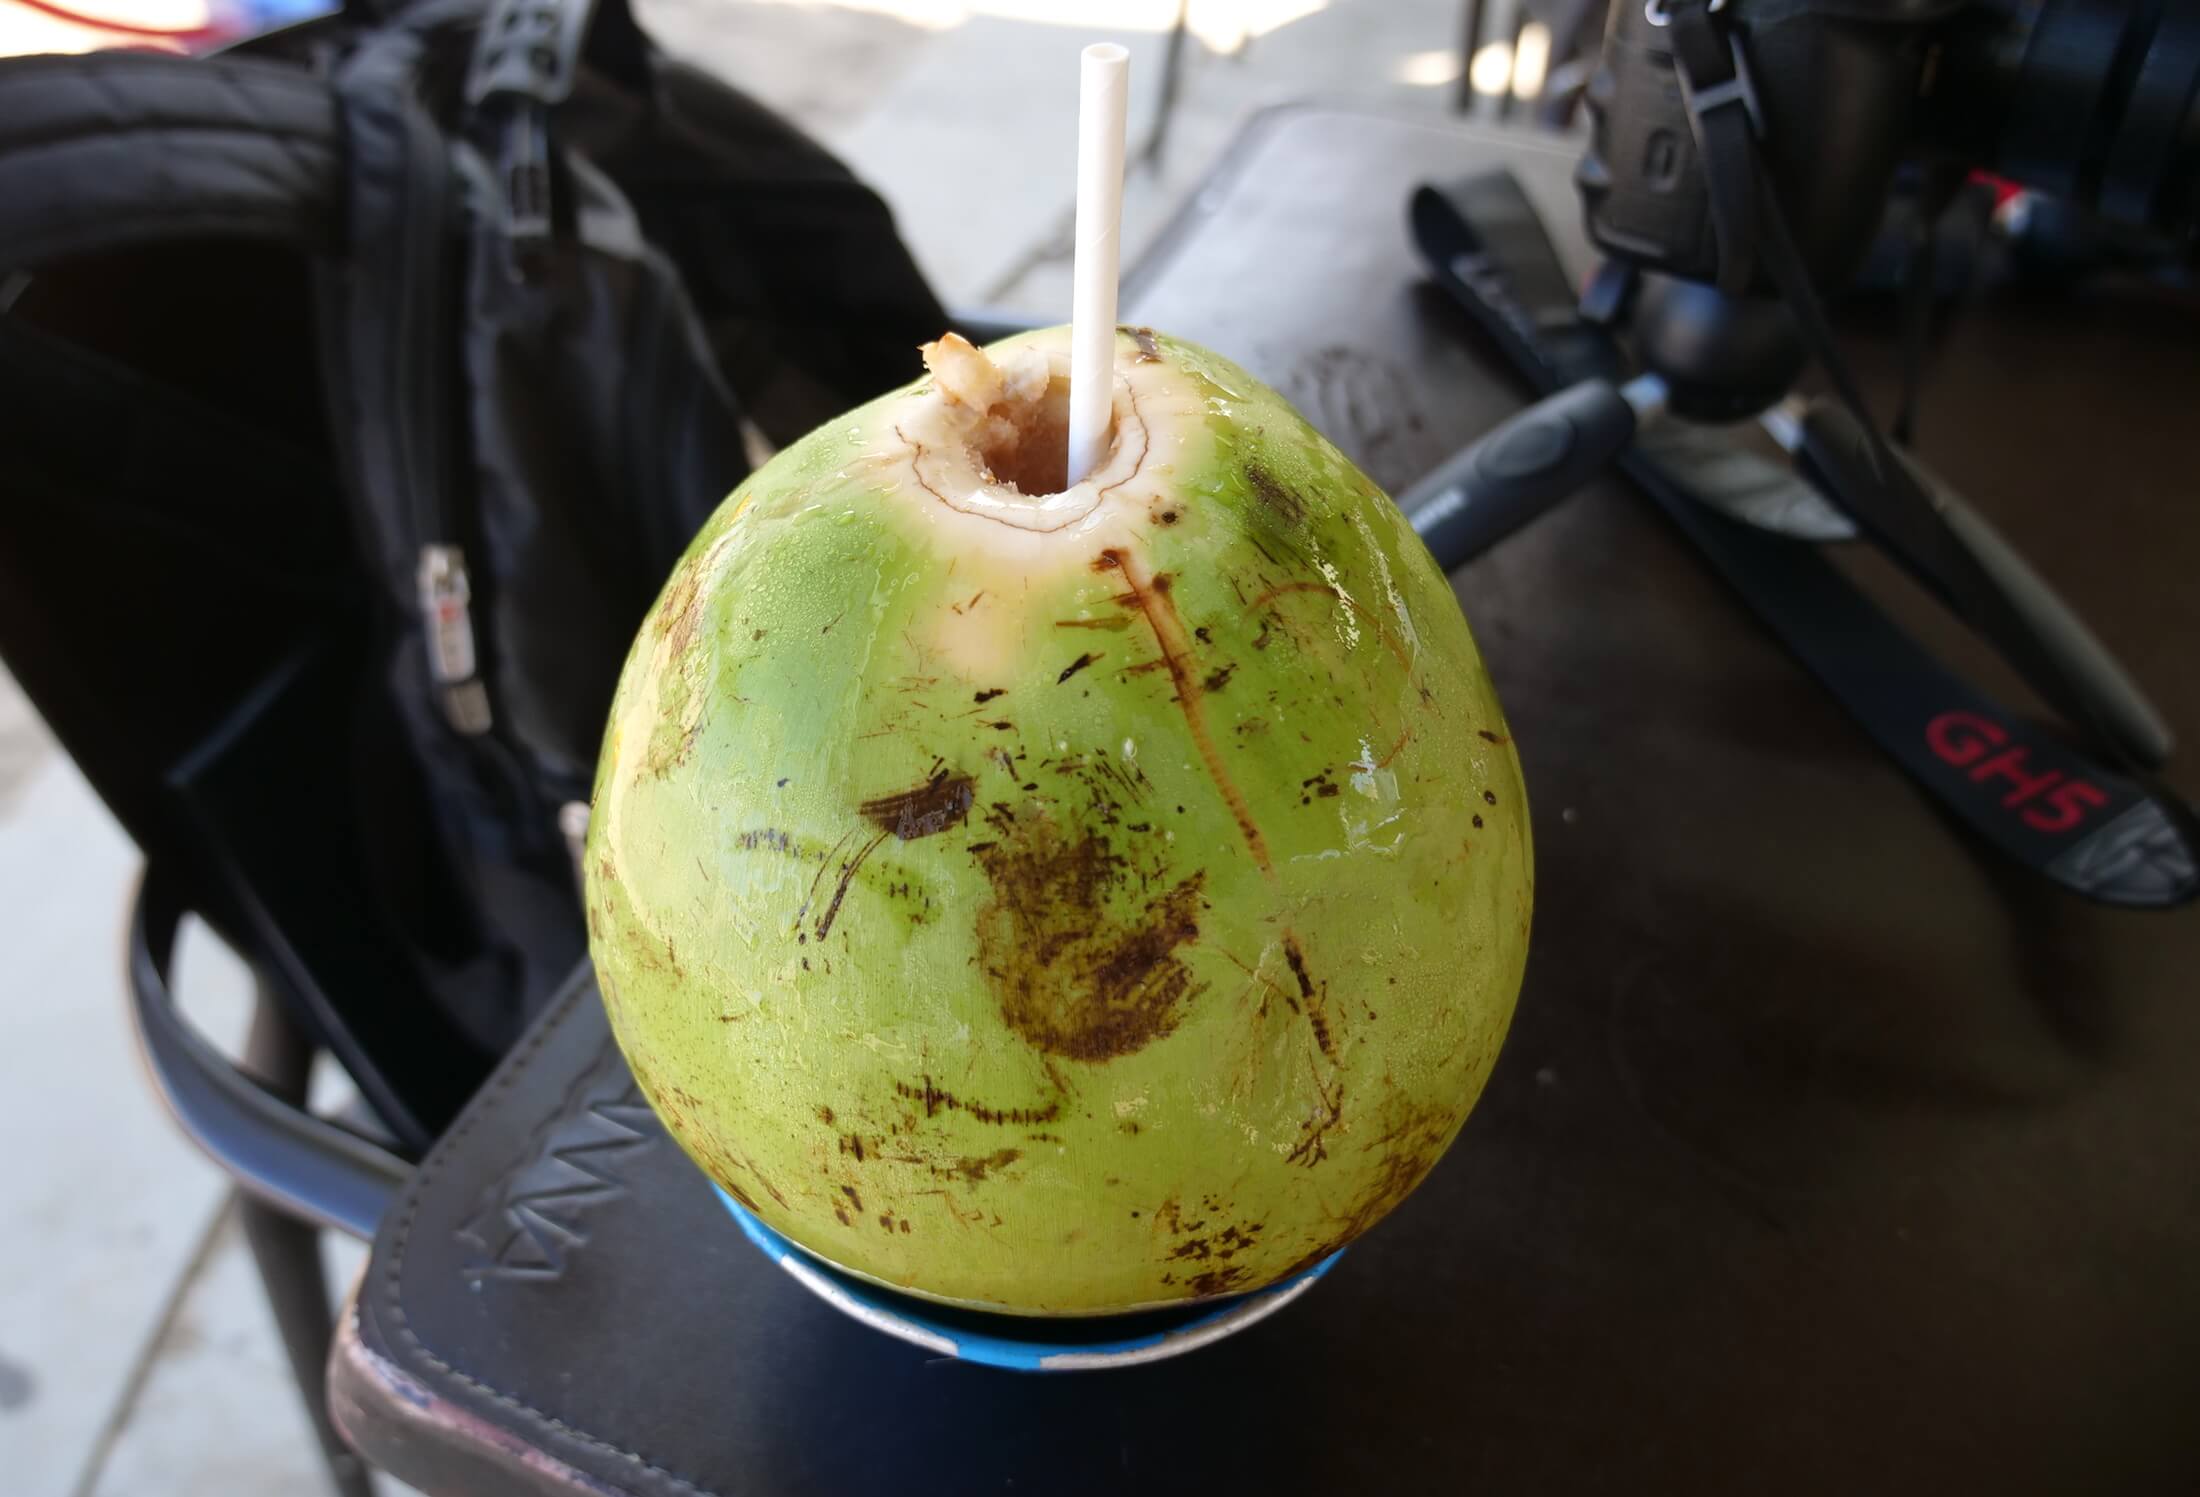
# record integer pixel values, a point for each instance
(1149, 596)
(1270, 491)
(942, 801)
(1075, 974)
(1412, 1140)
(936, 1099)
(973, 1169)
(680, 615)
(1328, 590)
(681, 612)
(1224, 1280)
(1075, 666)
(1312, 1146)
(848, 870)
(1316, 998)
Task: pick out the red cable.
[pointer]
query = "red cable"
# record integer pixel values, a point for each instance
(125, 28)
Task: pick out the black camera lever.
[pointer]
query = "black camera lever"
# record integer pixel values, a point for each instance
(1527, 463)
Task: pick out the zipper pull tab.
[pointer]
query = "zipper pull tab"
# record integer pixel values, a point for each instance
(445, 595)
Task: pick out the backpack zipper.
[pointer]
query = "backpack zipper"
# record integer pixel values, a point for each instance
(443, 586)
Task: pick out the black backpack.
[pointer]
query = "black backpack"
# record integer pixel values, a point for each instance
(358, 390)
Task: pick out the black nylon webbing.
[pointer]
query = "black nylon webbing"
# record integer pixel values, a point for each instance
(1719, 116)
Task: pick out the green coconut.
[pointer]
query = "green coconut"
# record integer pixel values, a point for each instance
(1060, 903)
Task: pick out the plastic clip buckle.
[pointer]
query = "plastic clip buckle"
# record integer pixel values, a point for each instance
(523, 65)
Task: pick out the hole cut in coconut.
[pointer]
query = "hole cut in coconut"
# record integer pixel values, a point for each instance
(989, 437)
(1020, 437)
(1024, 443)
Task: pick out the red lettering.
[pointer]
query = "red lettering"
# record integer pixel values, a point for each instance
(2009, 765)
(1969, 741)
(2070, 803)
(1959, 738)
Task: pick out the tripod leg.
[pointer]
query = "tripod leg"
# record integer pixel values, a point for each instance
(1988, 584)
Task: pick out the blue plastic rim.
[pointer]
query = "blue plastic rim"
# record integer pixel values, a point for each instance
(947, 1332)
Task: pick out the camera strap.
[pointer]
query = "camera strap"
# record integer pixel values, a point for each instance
(1722, 114)
(1745, 211)
(2098, 831)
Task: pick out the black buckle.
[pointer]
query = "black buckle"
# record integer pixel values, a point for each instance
(1740, 89)
(523, 175)
(525, 57)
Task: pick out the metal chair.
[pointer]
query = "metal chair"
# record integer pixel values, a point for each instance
(298, 1175)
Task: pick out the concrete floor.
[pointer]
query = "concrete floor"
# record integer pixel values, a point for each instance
(968, 125)
(136, 1357)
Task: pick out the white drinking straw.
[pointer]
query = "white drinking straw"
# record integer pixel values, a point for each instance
(1103, 91)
